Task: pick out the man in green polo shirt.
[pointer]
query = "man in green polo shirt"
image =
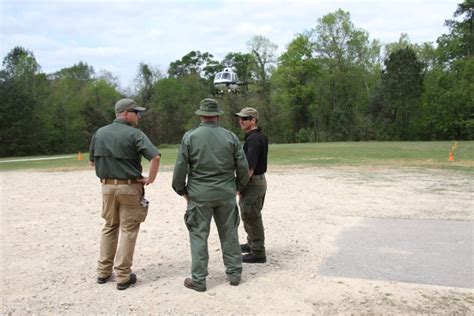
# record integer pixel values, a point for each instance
(210, 170)
(116, 151)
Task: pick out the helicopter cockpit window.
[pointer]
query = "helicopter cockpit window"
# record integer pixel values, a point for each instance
(226, 76)
(218, 76)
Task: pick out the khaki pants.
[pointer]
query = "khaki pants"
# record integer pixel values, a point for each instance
(251, 205)
(198, 221)
(123, 214)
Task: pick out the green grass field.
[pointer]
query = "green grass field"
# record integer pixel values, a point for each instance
(390, 154)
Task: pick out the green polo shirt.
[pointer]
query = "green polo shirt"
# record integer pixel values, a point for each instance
(214, 163)
(117, 149)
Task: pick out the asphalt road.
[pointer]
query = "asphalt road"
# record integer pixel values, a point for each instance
(436, 252)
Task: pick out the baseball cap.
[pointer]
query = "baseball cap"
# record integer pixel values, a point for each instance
(127, 105)
(246, 112)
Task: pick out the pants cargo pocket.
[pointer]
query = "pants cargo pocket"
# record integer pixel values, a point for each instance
(134, 216)
(190, 218)
(251, 210)
(141, 214)
(259, 203)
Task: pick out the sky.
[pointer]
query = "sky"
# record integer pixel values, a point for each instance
(118, 35)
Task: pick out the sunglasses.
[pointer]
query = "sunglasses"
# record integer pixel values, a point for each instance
(136, 112)
(246, 118)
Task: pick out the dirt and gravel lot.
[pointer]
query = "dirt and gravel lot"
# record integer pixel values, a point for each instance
(50, 228)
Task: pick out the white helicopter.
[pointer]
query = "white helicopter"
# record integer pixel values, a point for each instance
(227, 80)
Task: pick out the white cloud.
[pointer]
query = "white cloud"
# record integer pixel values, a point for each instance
(249, 29)
(108, 52)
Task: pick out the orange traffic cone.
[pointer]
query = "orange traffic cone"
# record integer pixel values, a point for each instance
(79, 156)
(451, 156)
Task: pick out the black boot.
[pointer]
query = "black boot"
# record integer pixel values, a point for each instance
(245, 248)
(250, 258)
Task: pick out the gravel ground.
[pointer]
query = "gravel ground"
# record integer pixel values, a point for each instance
(51, 227)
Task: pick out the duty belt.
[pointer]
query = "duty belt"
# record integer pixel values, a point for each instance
(118, 181)
(258, 176)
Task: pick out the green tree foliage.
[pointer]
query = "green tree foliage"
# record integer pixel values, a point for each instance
(348, 62)
(398, 111)
(69, 96)
(172, 107)
(243, 63)
(459, 42)
(21, 91)
(295, 82)
(50, 114)
(263, 52)
(20, 63)
(78, 104)
(194, 62)
(170, 101)
(328, 84)
(448, 101)
(426, 52)
(146, 78)
(98, 109)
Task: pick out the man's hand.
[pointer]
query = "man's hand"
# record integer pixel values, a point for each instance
(154, 166)
(145, 181)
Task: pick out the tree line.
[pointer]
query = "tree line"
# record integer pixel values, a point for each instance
(330, 84)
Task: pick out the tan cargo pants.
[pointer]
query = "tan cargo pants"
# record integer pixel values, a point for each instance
(123, 214)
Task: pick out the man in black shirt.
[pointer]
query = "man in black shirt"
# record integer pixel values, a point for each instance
(253, 196)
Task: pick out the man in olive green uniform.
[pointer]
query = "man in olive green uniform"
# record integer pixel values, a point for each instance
(116, 151)
(253, 196)
(212, 160)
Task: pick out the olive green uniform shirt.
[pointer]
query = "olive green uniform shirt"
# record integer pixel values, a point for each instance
(117, 149)
(214, 163)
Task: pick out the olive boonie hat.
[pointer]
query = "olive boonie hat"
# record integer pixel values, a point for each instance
(127, 105)
(209, 107)
(246, 112)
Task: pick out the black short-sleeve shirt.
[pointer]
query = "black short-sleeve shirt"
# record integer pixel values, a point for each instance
(256, 151)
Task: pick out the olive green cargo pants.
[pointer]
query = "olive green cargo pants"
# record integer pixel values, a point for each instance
(251, 205)
(198, 221)
(123, 214)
